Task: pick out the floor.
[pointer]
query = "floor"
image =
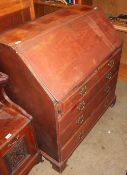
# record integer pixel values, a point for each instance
(104, 151)
(123, 72)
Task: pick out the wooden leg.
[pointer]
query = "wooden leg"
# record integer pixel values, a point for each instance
(40, 156)
(113, 102)
(59, 168)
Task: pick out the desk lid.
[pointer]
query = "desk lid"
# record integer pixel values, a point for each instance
(63, 48)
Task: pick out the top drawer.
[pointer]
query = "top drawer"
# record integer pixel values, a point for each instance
(86, 86)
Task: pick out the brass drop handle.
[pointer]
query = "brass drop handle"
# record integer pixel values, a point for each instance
(107, 89)
(81, 135)
(14, 141)
(83, 91)
(111, 63)
(109, 76)
(81, 106)
(80, 120)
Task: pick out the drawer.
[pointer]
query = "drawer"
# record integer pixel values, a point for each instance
(71, 145)
(78, 120)
(65, 120)
(83, 91)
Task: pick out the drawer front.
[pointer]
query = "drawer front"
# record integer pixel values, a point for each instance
(19, 150)
(79, 120)
(71, 145)
(65, 120)
(86, 87)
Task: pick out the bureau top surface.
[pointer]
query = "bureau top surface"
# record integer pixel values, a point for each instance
(11, 122)
(63, 48)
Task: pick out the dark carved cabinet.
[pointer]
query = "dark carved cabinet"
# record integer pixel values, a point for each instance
(63, 70)
(18, 149)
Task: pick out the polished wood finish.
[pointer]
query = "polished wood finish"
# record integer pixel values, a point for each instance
(112, 6)
(13, 20)
(84, 129)
(86, 2)
(88, 86)
(15, 12)
(78, 119)
(43, 8)
(57, 74)
(8, 7)
(18, 149)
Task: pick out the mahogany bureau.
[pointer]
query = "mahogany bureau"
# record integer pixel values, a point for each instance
(63, 71)
(18, 150)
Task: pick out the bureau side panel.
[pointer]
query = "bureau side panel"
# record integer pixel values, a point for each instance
(25, 90)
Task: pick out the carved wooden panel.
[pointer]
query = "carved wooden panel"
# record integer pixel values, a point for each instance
(17, 154)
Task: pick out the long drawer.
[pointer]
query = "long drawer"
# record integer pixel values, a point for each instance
(71, 145)
(82, 103)
(84, 89)
(78, 120)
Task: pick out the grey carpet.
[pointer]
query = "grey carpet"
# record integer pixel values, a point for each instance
(104, 151)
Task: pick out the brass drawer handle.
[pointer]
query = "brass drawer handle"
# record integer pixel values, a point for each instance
(111, 63)
(107, 89)
(80, 120)
(14, 141)
(109, 76)
(81, 106)
(81, 135)
(82, 91)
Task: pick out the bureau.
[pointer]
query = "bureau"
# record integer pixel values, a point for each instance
(63, 71)
(18, 148)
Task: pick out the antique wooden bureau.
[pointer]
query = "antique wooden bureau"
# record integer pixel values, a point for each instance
(18, 148)
(63, 70)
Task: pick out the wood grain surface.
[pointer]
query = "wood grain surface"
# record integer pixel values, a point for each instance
(8, 7)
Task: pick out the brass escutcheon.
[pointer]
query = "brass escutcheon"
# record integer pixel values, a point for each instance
(109, 76)
(81, 135)
(81, 106)
(111, 63)
(80, 120)
(82, 91)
